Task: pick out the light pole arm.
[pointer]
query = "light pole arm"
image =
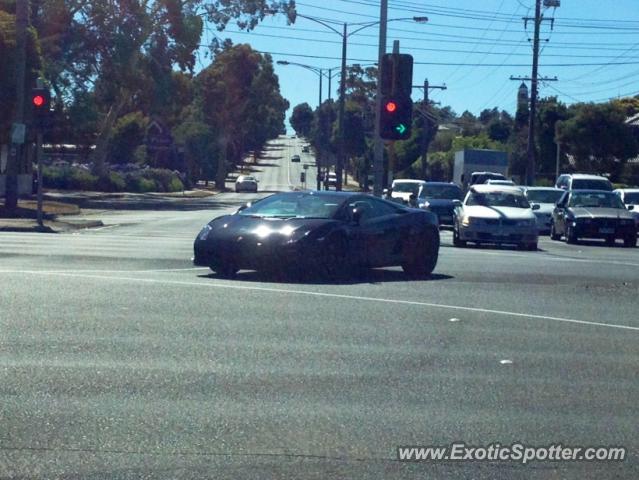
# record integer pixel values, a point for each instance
(320, 22)
(370, 24)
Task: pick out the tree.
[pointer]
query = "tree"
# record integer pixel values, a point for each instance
(549, 111)
(598, 138)
(302, 119)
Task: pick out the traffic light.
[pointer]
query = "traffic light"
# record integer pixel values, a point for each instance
(396, 116)
(396, 109)
(41, 106)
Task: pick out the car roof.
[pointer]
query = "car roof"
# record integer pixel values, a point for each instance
(585, 176)
(554, 189)
(627, 190)
(448, 184)
(408, 180)
(486, 188)
(590, 190)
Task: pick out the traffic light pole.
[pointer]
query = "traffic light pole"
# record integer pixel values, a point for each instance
(378, 162)
(39, 159)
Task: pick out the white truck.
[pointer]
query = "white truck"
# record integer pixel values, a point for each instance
(489, 164)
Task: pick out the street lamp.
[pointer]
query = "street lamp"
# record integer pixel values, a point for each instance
(318, 71)
(339, 168)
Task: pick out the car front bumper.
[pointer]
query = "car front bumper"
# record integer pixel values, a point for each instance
(489, 234)
(599, 229)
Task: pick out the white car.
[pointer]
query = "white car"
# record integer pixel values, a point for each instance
(495, 214)
(545, 197)
(630, 197)
(246, 183)
(403, 189)
(507, 183)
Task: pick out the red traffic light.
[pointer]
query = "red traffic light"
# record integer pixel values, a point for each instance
(391, 107)
(39, 100)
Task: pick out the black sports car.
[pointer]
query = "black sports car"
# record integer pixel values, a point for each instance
(329, 232)
(593, 214)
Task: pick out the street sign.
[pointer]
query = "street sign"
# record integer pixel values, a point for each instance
(18, 132)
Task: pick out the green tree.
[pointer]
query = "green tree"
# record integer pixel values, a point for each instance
(302, 119)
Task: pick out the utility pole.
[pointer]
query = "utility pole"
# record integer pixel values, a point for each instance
(427, 86)
(339, 168)
(320, 88)
(378, 162)
(531, 151)
(15, 157)
(330, 77)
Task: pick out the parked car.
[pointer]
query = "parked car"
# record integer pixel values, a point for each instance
(593, 214)
(403, 189)
(546, 198)
(580, 181)
(495, 214)
(439, 198)
(630, 198)
(332, 179)
(295, 159)
(306, 149)
(246, 183)
(482, 177)
(331, 232)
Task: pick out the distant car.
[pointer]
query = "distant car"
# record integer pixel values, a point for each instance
(580, 181)
(508, 183)
(402, 189)
(593, 214)
(246, 183)
(332, 179)
(495, 214)
(630, 198)
(481, 177)
(328, 232)
(439, 198)
(546, 198)
(295, 158)
(305, 149)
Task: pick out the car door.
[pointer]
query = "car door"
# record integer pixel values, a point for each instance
(559, 214)
(379, 229)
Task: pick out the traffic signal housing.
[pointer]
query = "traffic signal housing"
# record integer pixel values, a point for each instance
(41, 106)
(396, 117)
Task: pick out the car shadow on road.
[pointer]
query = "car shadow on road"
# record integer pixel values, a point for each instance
(373, 277)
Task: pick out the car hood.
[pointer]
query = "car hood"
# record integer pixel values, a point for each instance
(597, 212)
(545, 208)
(480, 211)
(234, 226)
(405, 196)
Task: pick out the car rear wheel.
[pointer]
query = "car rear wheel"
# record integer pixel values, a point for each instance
(225, 270)
(571, 235)
(630, 241)
(610, 240)
(458, 242)
(553, 233)
(421, 253)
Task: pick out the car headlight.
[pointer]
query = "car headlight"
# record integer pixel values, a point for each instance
(466, 221)
(204, 233)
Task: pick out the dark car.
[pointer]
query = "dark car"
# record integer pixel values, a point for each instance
(593, 214)
(327, 232)
(439, 198)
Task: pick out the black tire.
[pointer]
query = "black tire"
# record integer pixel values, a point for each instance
(421, 254)
(225, 270)
(553, 233)
(335, 263)
(630, 241)
(610, 240)
(458, 242)
(532, 247)
(571, 235)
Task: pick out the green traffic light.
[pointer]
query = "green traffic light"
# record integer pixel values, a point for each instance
(401, 128)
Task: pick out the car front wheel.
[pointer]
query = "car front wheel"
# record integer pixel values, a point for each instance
(553, 233)
(571, 235)
(457, 242)
(421, 254)
(630, 241)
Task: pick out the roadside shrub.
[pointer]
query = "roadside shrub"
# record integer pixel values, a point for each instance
(176, 185)
(83, 180)
(146, 185)
(112, 182)
(162, 178)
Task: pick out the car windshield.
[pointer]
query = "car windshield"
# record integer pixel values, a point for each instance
(498, 199)
(406, 187)
(631, 198)
(441, 192)
(302, 205)
(248, 179)
(544, 196)
(483, 177)
(591, 184)
(595, 200)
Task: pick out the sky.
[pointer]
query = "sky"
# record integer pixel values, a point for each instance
(472, 47)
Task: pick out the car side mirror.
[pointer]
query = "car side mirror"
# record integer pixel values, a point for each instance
(244, 207)
(457, 203)
(631, 207)
(385, 191)
(536, 206)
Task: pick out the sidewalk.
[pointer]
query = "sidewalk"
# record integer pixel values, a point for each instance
(58, 217)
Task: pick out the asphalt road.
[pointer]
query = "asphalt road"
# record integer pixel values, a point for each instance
(118, 359)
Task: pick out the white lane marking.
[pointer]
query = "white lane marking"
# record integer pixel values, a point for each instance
(97, 270)
(506, 362)
(327, 295)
